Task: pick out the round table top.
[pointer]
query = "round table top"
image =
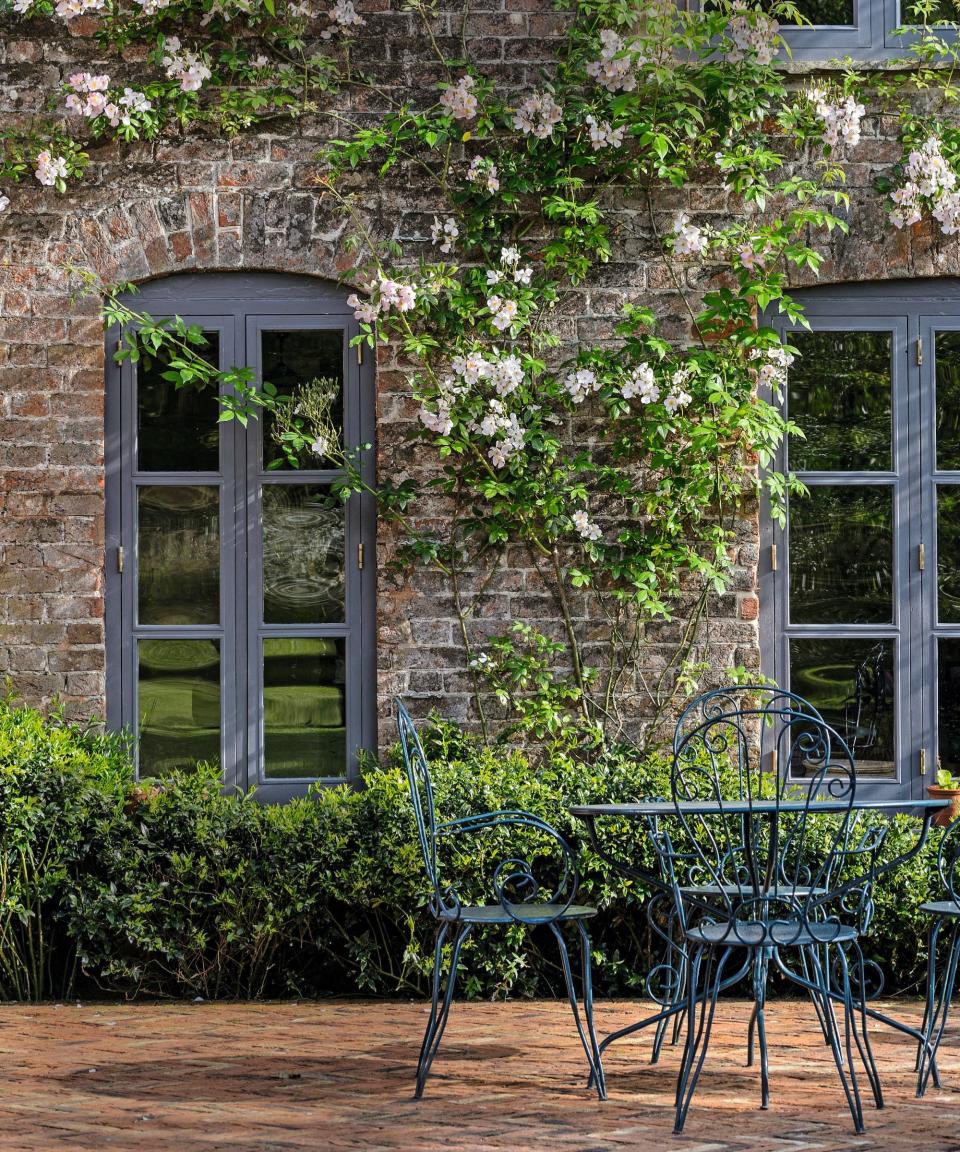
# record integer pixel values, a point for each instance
(757, 807)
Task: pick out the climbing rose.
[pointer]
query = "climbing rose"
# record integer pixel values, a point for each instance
(50, 168)
(585, 526)
(615, 70)
(459, 101)
(445, 231)
(688, 240)
(538, 115)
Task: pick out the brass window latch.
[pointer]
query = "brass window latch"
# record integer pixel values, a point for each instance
(922, 762)
(921, 557)
(919, 351)
(120, 558)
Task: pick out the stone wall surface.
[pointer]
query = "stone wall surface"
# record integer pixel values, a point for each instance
(252, 203)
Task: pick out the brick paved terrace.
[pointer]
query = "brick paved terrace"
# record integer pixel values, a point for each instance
(338, 1075)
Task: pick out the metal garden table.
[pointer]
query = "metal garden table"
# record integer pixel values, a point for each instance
(656, 810)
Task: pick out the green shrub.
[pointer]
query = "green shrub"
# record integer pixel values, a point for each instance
(110, 885)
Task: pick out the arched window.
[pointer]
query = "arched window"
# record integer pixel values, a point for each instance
(240, 590)
(861, 590)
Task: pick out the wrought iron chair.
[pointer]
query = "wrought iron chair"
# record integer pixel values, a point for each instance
(518, 901)
(945, 914)
(760, 874)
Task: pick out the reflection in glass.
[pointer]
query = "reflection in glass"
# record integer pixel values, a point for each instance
(178, 554)
(839, 392)
(826, 11)
(948, 704)
(304, 725)
(178, 704)
(177, 429)
(947, 345)
(303, 545)
(852, 684)
(939, 10)
(294, 362)
(948, 554)
(841, 555)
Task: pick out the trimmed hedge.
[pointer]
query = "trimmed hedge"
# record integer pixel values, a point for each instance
(113, 886)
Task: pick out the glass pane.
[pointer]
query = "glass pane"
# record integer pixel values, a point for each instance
(303, 545)
(940, 10)
(851, 683)
(947, 354)
(177, 428)
(306, 367)
(178, 704)
(841, 555)
(839, 394)
(948, 554)
(304, 733)
(178, 554)
(826, 11)
(948, 704)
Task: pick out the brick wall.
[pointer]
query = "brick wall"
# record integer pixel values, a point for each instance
(251, 203)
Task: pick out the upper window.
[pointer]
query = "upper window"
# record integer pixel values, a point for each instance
(239, 606)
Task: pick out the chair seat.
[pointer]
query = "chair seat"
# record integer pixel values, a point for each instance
(754, 934)
(941, 908)
(781, 890)
(531, 913)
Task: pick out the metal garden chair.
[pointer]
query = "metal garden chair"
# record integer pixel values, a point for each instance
(759, 874)
(945, 914)
(518, 901)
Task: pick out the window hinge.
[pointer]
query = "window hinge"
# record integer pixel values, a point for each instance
(773, 557)
(120, 558)
(919, 351)
(922, 762)
(360, 354)
(119, 345)
(360, 556)
(921, 557)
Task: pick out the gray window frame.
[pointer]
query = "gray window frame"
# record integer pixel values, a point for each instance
(914, 310)
(239, 306)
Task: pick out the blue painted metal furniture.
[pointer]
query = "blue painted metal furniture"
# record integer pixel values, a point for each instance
(518, 901)
(945, 914)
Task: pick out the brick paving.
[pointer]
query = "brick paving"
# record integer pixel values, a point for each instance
(337, 1075)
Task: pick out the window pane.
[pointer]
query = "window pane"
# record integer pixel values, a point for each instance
(177, 428)
(947, 353)
(305, 366)
(851, 683)
(948, 704)
(940, 10)
(839, 394)
(304, 733)
(178, 554)
(303, 546)
(826, 11)
(948, 554)
(841, 555)
(178, 698)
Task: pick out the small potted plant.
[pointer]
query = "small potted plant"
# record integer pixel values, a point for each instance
(947, 787)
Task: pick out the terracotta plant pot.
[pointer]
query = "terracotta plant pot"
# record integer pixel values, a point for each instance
(948, 815)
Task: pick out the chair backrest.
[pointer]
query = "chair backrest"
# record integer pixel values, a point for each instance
(761, 848)
(421, 795)
(948, 862)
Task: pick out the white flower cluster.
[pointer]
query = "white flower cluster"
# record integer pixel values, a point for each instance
(602, 135)
(50, 168)
(508, 430)
(342, 16)
(484, 171)
(89, 95)
(772, 372)
(538, 115)
(928, 176)
(581, 383)
(459, 100)
(504, 373)
(750, 257)
(678, 397)
(4, 202)
(444, 233)
(616, 68)
(502, 312)
(510, 266)
(688, 239)
(68, 9)
(641, 383)
(752, 34)
(152, 7)
(386, 295)
(184, 65)
(841, 121)
(585, 526)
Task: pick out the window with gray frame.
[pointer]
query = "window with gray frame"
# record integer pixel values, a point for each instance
(861, 590)
(861, 29)
(240, 589)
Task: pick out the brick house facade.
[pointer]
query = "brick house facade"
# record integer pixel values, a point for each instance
(250, 205)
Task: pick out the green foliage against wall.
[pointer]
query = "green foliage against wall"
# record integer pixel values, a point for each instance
(107, 886)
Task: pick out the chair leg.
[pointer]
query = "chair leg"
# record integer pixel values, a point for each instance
(439, 1012)
(822, 981)
(863, 1037)
(853, 1095)
(588, 1037)
(937, 1022)
(760, 974)
(695, 1052)
(932, 940)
